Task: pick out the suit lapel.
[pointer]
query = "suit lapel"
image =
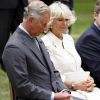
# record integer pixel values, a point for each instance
(49, 63)
(45, 54)
(30, 43)
(96, 29)
(36, 51)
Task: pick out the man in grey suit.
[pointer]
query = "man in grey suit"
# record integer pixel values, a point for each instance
(27, 63)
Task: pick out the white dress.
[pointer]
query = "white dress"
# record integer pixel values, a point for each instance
(66, 60)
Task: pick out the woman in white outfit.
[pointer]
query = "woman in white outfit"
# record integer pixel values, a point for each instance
(63, 53)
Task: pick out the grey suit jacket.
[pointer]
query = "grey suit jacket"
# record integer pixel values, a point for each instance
(30, 71)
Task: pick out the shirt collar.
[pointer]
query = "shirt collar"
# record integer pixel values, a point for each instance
(96, 25)
(21, 27)
(55, 40)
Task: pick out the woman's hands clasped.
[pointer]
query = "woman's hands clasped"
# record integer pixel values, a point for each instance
(87, 85)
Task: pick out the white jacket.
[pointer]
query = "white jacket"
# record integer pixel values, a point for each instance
(66, 59)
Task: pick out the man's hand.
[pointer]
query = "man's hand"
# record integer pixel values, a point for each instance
(62, 96)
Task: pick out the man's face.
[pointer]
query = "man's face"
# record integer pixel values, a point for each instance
(40, 25)
(97, 18)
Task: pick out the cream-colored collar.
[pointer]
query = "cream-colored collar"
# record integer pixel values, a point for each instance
(54, 39)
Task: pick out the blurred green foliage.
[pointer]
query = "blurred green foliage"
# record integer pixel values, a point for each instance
(84, 13)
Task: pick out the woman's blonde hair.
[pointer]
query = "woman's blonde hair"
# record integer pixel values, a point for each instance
(58, 9)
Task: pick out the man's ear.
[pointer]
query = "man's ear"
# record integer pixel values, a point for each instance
(95, 15)
(31, 19)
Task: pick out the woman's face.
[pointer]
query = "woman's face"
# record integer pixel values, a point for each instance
(59, 26)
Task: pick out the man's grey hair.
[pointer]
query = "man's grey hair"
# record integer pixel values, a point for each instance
(35, 9)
